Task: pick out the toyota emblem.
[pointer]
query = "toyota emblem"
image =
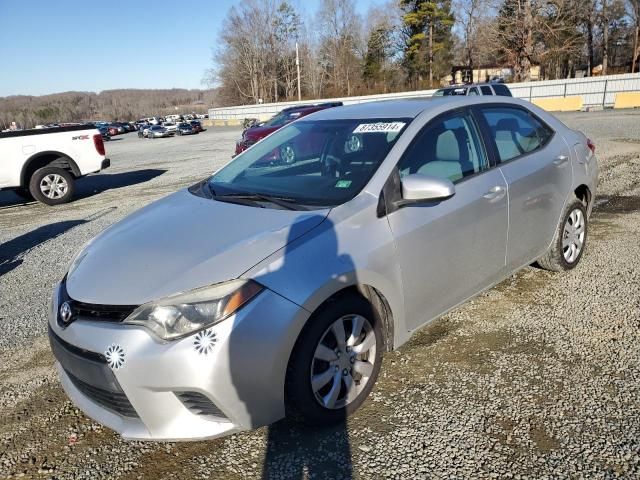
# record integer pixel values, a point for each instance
(65, 312)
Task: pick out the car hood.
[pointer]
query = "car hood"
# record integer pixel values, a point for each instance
(179, 243)
(257, 133)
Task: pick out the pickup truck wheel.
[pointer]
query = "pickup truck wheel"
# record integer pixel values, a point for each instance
(52, 185)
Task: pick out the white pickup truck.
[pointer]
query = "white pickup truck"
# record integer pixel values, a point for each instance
(44, 163)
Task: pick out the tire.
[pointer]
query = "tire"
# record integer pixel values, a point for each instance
(569, 241)
(60, 183)
(23, 193)
(314, 407)
(288, 154)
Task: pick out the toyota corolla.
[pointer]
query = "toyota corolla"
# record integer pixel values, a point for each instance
(274, 288)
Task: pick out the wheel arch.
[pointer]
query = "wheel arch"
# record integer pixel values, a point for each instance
(583, 193)
(377, 300)
(47, 158)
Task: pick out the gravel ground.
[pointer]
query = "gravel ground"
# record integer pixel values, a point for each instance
(537, 378)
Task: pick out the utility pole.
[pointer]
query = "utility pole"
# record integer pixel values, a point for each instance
(298, 70)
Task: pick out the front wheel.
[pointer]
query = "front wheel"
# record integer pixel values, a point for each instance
(569, 241)
(52, 185)
(335, 361)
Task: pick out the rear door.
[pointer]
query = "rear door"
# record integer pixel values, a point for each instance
(536, 164)
(449, 250)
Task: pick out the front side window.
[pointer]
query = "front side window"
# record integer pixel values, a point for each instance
(321, 162)
(447, 148)
(515, 131)
(473, 91)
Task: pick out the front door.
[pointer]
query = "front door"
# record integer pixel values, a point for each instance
(450, 250)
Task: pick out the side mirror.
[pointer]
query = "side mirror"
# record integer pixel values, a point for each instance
(417, 187)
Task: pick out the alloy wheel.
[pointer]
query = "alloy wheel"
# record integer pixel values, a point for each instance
(288, 154)
(573, 236)
(54, 186)
(343, 360)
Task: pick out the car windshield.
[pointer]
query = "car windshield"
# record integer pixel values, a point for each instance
(281, 119)
(316, 163)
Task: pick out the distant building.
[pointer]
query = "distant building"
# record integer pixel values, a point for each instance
(485, 73)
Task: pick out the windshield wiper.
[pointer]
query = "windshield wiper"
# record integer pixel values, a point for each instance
(287, 203)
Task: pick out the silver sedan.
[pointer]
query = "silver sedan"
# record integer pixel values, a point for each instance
(274, 288)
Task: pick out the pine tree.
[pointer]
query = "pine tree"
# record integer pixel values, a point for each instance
(427, 29)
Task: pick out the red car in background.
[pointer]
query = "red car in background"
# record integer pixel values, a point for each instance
(257, 132)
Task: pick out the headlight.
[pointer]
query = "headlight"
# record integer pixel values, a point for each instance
(183, 314)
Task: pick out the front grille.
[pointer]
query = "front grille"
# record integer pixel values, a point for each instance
(116, 402)
(92, 311)
(199, 404)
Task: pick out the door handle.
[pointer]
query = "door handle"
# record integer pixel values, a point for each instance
(561, 160)
(495, 193)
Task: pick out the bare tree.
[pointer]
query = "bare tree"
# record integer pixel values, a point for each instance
(471, 15)
(341, 26)
(633, 9)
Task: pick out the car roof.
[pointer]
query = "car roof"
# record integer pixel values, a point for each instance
(403, 108)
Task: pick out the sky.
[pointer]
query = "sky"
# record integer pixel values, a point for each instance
(49, 46)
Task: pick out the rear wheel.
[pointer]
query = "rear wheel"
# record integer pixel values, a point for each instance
(335, 361)
(569, 241)
(52, 185)
(288, 154)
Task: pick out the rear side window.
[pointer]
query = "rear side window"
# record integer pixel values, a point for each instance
(502, 90)
(486, 90)
(514, 131)
(448, 148)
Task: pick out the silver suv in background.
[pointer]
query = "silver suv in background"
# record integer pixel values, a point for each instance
(498, 89)
(273, 288)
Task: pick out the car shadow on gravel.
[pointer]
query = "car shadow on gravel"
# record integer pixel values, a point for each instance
(92, 185)
(13, 252)
(294, 449)
(95, 184)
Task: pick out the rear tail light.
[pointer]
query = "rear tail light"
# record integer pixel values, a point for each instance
(97, 141)
(591, 145)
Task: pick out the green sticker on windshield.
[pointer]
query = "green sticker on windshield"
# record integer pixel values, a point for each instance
(343, 183)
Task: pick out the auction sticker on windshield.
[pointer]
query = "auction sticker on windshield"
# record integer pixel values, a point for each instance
(384, 127)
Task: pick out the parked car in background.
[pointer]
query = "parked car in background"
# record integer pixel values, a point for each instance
(185, 129)
(158, 131)
(113, 130)
(196, 125)
(257, 132)
(498, 89)
(104, 131)
(43, 164)
(172, 127)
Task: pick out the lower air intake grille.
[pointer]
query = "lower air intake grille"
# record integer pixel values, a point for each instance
(199, 404)
(116, 402)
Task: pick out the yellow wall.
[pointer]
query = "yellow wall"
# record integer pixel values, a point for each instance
(627, 100)
(559, 104)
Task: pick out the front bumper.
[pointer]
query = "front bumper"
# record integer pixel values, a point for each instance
(239, 382)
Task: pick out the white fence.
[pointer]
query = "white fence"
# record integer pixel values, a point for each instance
(595, 92)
